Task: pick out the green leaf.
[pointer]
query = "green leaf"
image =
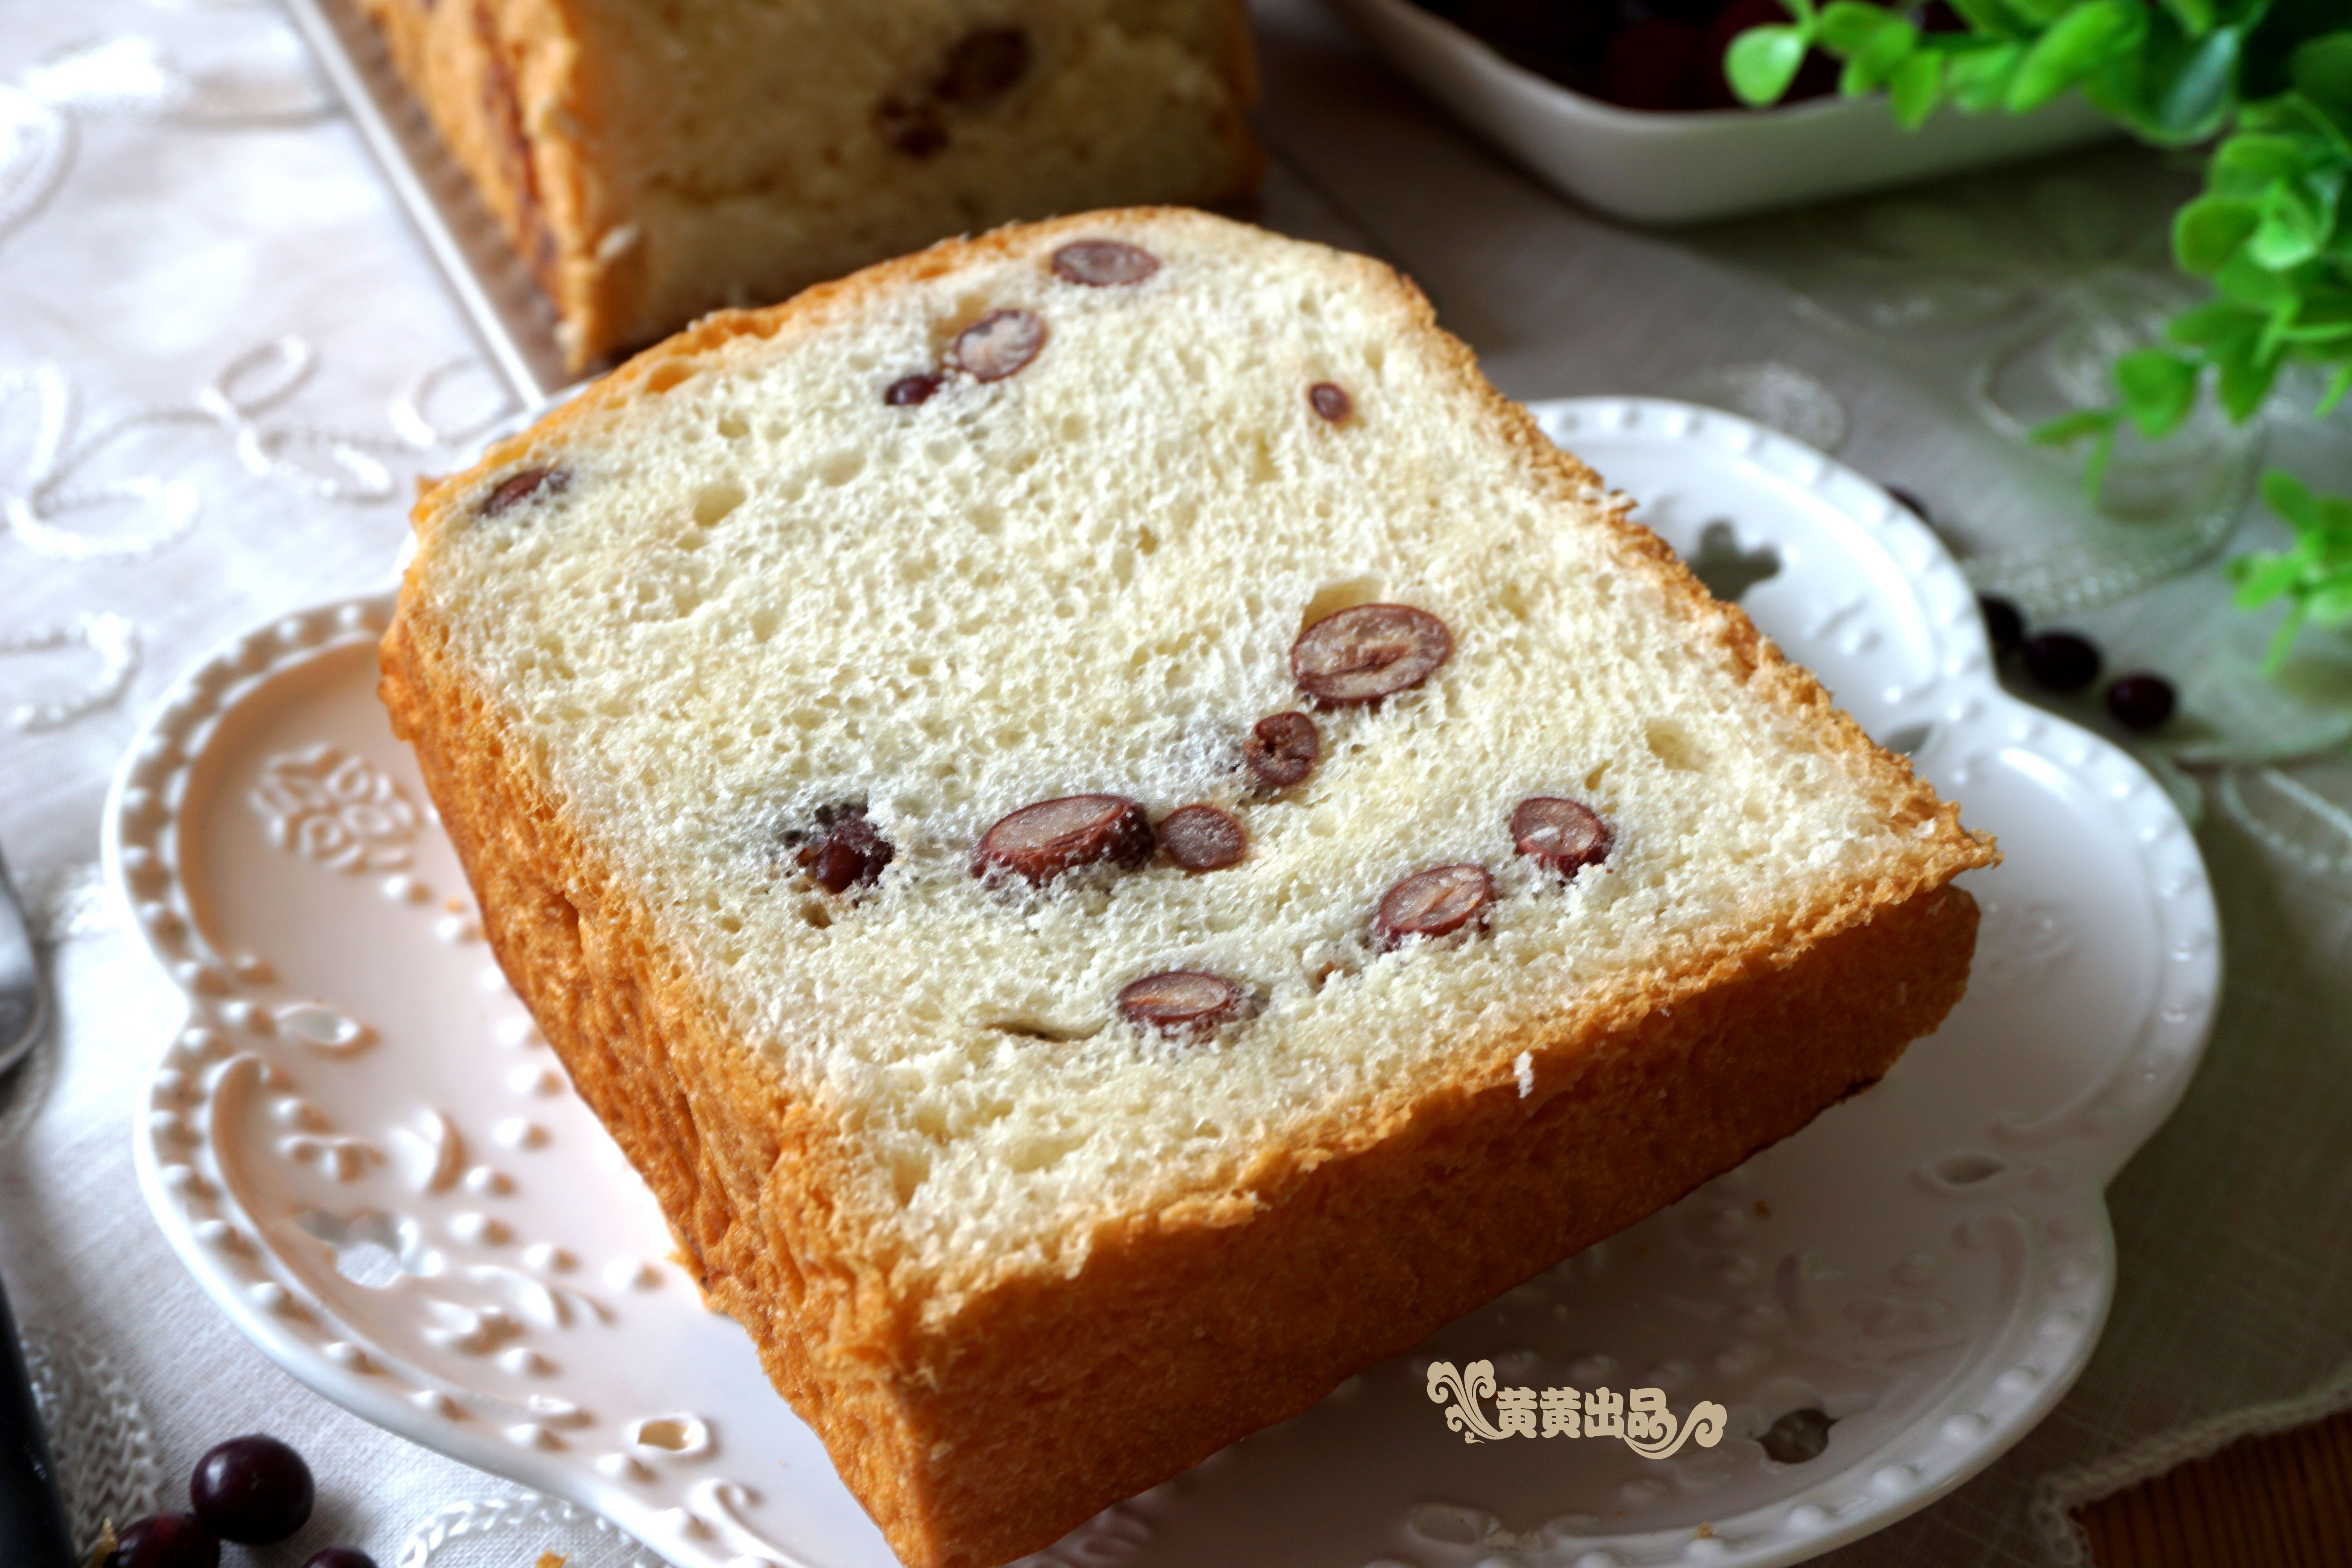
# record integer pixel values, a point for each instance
(1989, 18)
(2249, 163)
(2321, 69)
(2291, 499)
(2331, 603)
(1979, 81)
(2209, 231)
(2250, 283)
(2186, 83)
(2263, 577)
(1876, 61)
(2245, 372)
(2074, 47)
(1918, 82)
(1848, 26)
(2216, 321)
(1762, 61)
(2195, 15)
(2040, 13)
(2070, 428)
(2335, 393)
(2159, 389)
(2276, 659)
(2290, 233)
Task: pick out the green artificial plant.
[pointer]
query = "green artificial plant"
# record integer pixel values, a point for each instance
(2269, 84)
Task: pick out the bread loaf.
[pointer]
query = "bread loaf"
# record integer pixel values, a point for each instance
(1118, 836)
(651, 162)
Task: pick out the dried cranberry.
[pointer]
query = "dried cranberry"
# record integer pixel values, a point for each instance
(165, 1540)
(252, 1490)
(1369, 652)
(1433, 903)
(515, 489)
(846, 850)
(985, 63)
(999, 344)
(1040, 842)
(2062, 661)
(909, 391)
(1103, 263)
(1181, 1001)
(1563, 836)
(1203, 838)
(1282, 749)
(2141, 701)
(1331, 401)
(2004, 624)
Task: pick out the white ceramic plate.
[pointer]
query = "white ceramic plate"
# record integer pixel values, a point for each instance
(360, 1147)
(1688, 165)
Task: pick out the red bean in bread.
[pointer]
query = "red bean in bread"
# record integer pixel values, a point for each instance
(1203, 838)
(999, 344)
(1041, 841)
(1367, 653)
(1433, 903)
(515, 489)
(1282, 749)
(1331, 400)
(1103, 263)
(846, 850)
(1181, 1001)
(1563, 836)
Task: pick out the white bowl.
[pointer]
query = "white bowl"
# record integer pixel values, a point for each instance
(1683, 165)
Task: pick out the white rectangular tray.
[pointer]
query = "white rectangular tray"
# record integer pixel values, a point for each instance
(516, 322)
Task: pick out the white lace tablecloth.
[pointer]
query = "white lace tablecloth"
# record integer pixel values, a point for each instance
(223, 358)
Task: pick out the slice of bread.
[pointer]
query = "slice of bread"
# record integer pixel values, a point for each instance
(1038, 1162)
(650, 163)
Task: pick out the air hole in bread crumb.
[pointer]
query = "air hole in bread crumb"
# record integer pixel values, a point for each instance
(666, 374)
(1592, 780)
(986, 518)
(1146, 541)
(763, 623)
(1263, 470)
(714, 501)
(816, 913)
(909, 1171)
(1032, 1154)
(842, 466)
(734, 427)
(1339, 596)
(1513, 600)
(1037, 1030)
(1672, 744)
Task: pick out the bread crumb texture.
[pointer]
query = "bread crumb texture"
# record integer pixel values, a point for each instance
(752, 589)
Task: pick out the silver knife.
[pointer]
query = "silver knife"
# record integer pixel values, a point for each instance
(32, 1516)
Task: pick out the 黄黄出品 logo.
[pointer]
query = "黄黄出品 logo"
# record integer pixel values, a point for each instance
(1639, 1416)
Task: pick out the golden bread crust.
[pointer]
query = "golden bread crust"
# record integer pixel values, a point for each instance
(980, 1423)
